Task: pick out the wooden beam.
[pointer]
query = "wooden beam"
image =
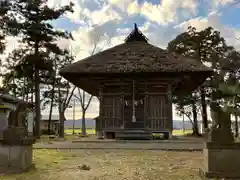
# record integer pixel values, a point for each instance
(122, 79)
(113, 113)
(122, 112)
(170, 121)
(120, 83)
(112, 94)
(101, 108)
(146, 103)
(155, 93)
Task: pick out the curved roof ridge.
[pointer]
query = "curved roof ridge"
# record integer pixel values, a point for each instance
(135, 57)
(136, 35)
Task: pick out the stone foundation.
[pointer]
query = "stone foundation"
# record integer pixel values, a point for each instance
(170, 135)
(99, 134)
(221, 161)
(15, 159)
(109, 135)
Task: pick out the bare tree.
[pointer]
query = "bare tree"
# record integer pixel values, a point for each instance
(61, 91)
(99, 40)
(85, 100)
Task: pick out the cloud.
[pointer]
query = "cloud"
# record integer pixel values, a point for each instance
(223, 2)
(101, 11)
(97, 20)
(163, 23)
(84, 11)
(11, 44)
(93, 38)
(214, 20)
(133, 8)
(168, 11)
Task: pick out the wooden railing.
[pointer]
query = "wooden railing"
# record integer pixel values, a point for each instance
(156, 123)
(108, 122)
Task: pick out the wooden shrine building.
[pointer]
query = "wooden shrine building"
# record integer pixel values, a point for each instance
(135, 82)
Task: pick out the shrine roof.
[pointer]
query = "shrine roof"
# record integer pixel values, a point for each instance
(134, 55)
(134, 58)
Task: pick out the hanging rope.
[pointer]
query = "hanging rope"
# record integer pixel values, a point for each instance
(133, 103)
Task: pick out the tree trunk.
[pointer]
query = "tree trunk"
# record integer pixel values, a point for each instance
(61, 122)
(27, 92)
(37, 92)
(83, 123)
(14, 89)
(204, 107)
(195, 121)
(34, 116)
(73, 117)
(50, 112)
(236, 125)
(37, 103)
(50, 118)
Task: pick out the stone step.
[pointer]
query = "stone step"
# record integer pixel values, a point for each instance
(133, 135)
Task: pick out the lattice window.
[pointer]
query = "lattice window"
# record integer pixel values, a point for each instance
(157, 112)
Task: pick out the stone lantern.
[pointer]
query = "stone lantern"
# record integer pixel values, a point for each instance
(16, 146)
(4, 111)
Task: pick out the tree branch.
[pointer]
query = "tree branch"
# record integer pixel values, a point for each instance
(83, 99)
(80, 97)
(66, 98)
(68, 101)
(77, 97)
(89, 101)
(189, 117)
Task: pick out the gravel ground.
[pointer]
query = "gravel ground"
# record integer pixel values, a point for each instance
(188, 144)
(112, 165)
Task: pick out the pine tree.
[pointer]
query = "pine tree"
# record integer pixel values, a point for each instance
(33, 25)
(205, 46)
(4, 8)
(60, 91)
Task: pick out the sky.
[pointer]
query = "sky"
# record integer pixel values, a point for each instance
(106, 23)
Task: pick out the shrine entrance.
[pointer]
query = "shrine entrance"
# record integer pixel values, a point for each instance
(135, 82)
(134, 116)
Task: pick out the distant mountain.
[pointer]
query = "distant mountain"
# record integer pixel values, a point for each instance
(179, 124)
(91, 124)
(78, 123)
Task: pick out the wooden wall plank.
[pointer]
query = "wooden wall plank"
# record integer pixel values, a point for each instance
(157, 112)
(156, 109)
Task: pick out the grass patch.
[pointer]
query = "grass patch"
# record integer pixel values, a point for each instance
(90, 133)
(46, 161)
(179, 132)
(108, 165)
(176, 132)
(77, 131)
(46, 139)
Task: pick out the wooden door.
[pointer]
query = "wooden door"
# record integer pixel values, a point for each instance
(157, 112)
(111, 112)
(128, 113)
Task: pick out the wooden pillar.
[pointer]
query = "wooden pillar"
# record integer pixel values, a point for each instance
(101, 107)
(146, 102)
(122, 110)
(99, 132)
(146, 106)
(170, 116)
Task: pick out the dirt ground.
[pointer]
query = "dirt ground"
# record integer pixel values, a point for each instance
(180, 143)
(112, 165)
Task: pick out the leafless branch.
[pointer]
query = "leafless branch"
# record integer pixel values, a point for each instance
(80, 97)
(66, 97)
(89, 101)
(74, 95)
(83, 99)
(189, 117)
(69, 98)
